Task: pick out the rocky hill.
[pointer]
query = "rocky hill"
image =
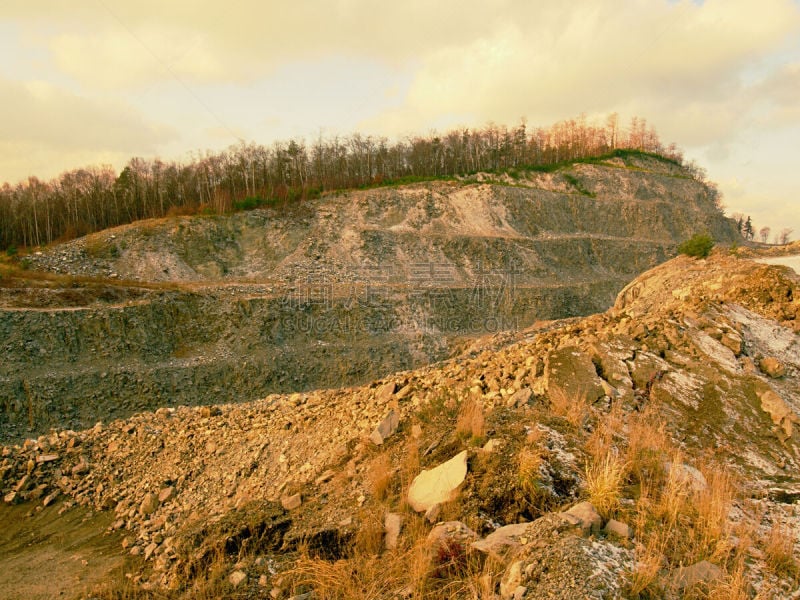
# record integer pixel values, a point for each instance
(337, 291)
(650, 451)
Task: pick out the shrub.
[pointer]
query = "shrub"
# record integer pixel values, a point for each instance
(699, 245)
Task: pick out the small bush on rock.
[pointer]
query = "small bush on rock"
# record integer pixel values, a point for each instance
(699, 245)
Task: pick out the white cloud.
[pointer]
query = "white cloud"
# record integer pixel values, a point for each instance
(46, 125)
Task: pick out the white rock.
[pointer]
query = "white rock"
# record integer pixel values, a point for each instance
(439, 484)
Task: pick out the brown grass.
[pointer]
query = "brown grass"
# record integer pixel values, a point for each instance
(604, 480)
(571, 406)
(528, 463)
(735, 586)
(674, 497)
(369, 537)
(470, 421)
(379, 475)
(648, 444)
(779, 552)
(643, 581)
(712, 506)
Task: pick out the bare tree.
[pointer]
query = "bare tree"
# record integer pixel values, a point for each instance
(785, 235)
(80, 201)
(763, 233)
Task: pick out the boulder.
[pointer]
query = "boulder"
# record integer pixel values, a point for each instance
(571, 370)
(503, 540)
(772, 367)
(617, 528)
(385, 428)
(519, 398)
(449, 535)
(291, 502)
(780, 412)
(166, 494)
(590, 520)
(237, 578)
(385, 392)
(149, 504)
(702, 573)
(733, 342)
(439, 484)
(392, 524)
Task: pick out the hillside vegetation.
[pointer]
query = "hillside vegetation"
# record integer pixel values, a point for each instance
(35, 212)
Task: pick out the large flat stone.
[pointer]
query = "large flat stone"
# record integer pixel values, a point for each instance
(439, 484)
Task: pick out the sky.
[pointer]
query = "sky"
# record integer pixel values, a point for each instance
(91, 82)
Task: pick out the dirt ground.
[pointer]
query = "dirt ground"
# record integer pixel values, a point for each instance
(49, 555)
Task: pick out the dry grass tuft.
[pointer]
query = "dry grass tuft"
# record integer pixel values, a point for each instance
(379, 475)
(528, 464)
(712, 506)
(648, 444)
(368, 577)
(779, 552)
(735, 586)
(643, 581)
(604, 480)
(573, 407)
(369, 537)
(674, 497)
(471, 421)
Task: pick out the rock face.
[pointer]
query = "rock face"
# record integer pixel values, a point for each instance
(185, 486)
(359, 285)
(439, 484)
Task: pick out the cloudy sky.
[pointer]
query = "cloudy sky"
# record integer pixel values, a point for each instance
(98, 81)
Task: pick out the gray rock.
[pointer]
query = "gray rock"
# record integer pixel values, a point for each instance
(702, 573)
(511, 580)
(392, 524)
(385, 428)
(503, 540)
(385, 392)
(166, 494)
(150, 550)
(590, 520)
(520, 398)
(445, 534)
